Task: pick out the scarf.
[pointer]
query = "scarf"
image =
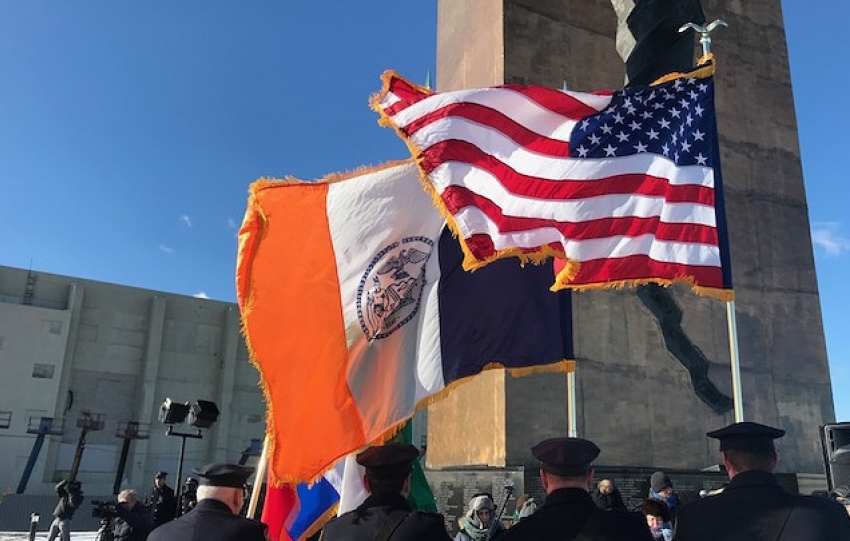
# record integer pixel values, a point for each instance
(471, 528)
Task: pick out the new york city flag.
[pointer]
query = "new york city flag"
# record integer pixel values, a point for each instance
(356, 312)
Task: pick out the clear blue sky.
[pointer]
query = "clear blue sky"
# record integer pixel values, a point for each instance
(130, 131)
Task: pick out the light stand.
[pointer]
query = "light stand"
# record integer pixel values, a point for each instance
(201, 414)
(182, 435)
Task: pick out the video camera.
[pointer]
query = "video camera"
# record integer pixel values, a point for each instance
(104, 510)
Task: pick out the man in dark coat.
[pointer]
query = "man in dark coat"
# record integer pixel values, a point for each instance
(214, 518)
(569, 512)
(753, 505)
(386, 515)
(162, 502)
(133, 522)
(70, 498)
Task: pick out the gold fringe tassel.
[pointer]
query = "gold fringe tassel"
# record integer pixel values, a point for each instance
(721, 294)
(705, 68)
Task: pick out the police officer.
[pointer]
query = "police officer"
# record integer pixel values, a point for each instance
(162, 502)
(214, 518)
(569, 512)
(189, 496)
(753, 505)
(386, 515)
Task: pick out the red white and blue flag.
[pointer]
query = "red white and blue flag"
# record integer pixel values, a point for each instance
(624, 186)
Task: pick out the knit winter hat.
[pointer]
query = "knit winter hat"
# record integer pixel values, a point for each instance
(659, 481)
(480, 502)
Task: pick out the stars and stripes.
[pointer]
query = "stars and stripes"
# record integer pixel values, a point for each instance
(623, 185)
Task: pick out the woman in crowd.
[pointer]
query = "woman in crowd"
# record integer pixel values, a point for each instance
(658, 519)
(475, 523)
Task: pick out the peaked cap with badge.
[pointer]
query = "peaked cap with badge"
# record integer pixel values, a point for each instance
(390, 460)
(565, 456)
(219, 474)
(161, 474)
(747, 436)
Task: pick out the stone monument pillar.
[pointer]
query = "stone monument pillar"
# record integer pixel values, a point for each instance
(635, 397)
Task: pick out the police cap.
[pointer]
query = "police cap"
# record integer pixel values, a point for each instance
(390, 460)
(161, 474)
(565, 456)
(223, 475)
(747, 436)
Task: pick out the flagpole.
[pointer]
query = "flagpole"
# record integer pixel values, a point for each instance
(571, 404)
(735, 361)
(258, 479)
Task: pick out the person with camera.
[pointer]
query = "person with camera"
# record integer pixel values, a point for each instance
(70, 498)
(132, 520)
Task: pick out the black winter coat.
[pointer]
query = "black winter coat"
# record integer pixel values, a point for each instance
(365, 521)
(132, 524)
(566, 512)
(742, 509)
(163, 504)
(210, 520)
(68, 501)
(610, 501)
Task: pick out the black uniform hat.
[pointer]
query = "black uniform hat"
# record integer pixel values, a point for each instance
(565, 456)
(747, 436)
(223, 475)
(160, 474)
(388, 461)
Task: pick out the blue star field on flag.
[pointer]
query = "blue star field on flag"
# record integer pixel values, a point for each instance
(674, 120)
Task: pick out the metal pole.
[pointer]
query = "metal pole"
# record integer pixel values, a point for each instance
(735, 361)
(78, 456)
(178, 486)
(178, 492)
(36, 449)
(125, 450)
(259, 476)
(572, 429)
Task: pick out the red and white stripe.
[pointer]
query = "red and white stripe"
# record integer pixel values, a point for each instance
(499, 160)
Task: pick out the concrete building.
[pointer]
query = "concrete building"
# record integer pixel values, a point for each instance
(70, 345)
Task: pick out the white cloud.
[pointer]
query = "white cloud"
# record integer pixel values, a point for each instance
(166, 249)
(231, 223)
(185, 220)
(201, 295)
(829, 237)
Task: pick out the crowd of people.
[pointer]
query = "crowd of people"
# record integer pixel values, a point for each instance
(129, 518)
(751, 506)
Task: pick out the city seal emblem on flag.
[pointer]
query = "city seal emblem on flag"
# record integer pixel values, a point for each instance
(391, 288)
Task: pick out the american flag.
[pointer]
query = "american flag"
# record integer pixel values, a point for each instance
(624, 185)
